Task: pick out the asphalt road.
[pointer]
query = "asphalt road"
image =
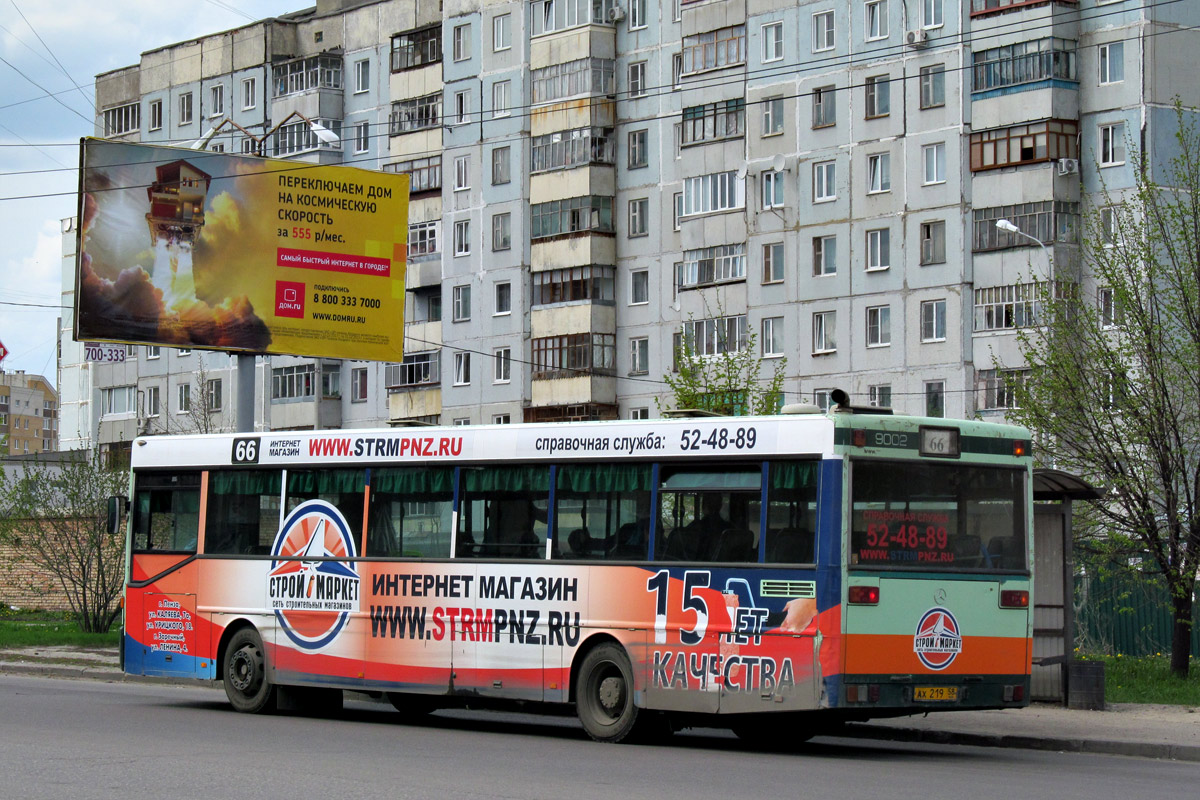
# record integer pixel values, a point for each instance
(86, 739)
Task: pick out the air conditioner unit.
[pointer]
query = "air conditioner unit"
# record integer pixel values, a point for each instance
(616, 13)
(918, 38)
(1068, 166)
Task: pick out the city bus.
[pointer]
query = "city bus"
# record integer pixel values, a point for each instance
(775, 575)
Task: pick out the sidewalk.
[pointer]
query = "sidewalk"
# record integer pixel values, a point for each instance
(1146, 731)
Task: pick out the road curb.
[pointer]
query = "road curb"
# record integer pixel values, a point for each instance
(87, 673)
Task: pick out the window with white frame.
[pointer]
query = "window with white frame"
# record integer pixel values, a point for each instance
(879, 172)
(216, 96)
(710, 337)
(824, 335)
(677, 71)
(879, 248)
(879, 326)
(462, 173)
(1008, 307)
(933, 242)
(185, 108)
(416, 113)
(717, 191)
(772, 189)
(876, 19)
(824, 255)
(932, 15)
(461, 303)
(462, 107)
(249, 93)
(639, 287)
(933, 86)
(707, 265)
(584, 75)
(291, 383)
(501, 32)
(935, 398)
(503, 299)
(501, 419)
(1112, 144)
(153, 352)
(153, 403)
(639, 213)
(548, 16)
(772, 337)
(824, 181)
(880, 395)
(933, 158)
(824, 106)
(462, 42)
(501, 98)
(878, 91)
(999, 387)
(933, 321)
(501, 165)
(462, 368)
(822, 31)
(639, 355)
(123, 119)
(502, 231)
(772, 116)
(362, 75)
(1112, 313)
(423, 238)
(183, 398)
(677, 205)
(502, 365)
(822, 398)
(638, 149)
(362, 137)
(714, 49)
(772, 41)
(637, 14)
(156, 115)
(214, 395)
(1109, 234)
(637, 79)
(118, 400)
(772, 254)
(358, 385)
(1111, 58)
(462, 237)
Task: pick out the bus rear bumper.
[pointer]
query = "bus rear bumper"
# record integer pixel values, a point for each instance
(918, 694)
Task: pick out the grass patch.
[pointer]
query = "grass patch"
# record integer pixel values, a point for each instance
(48, 629)
(1148, 679)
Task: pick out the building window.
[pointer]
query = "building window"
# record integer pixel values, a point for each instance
(417, 369)
(153, 403)
(418, 113)
(933, 157)
(772, 120)
(708, 265)
(501, 419)
(1112, 62)
(331, 382)
(933, 242)
(156, 115)
(1023, 62)
(639, 213)
(461, 45)
(462, 108)
(299, 137)
(461, 303)
(574, 215)
(933, 321)
(216, 100)
(183, 398)
(1006, 308)
(772, 262)
(824, 340)
(879, 326)
(572, 148)
(999, 387)
(720, 48)
(582, 76)
(123, 119)
(362, 76)
(639, 287)
(824, 181)
(502, 365)
(637, 79)
(362, 137)
(1047, 221)
(573, 354)
(501, 165)
(1112, 144)
(288, 383)
(710, 337)
(417, 48)
(185, 108)
(639, 356)
(879, 249)
(714, 121)
(1112, 313)
(880, 395)
(423, 238)
(462, 237)
(249, 93)
(462, 173)
(501, 32)
(718, 191)
(116, 400)
(772, 337)
(1030, 143)
(876, 20)
(462, 369)
(772, 189)
(424, 174)
(569, 284)
(824, 255)
(931, 14)
(879, 172)
(502, 231)
(772, 41)
(935, 398)
(879, 96)
(677, 210)
(501, 98)
(548, 16)
(153, 352)
(637, 14)
(933, 86)
(676, 71)
(503, 299)
(822, 31)
(638, 155)
(213, 394)
(306, 74)
(824, 106)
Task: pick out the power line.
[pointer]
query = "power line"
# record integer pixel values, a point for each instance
(86, 99)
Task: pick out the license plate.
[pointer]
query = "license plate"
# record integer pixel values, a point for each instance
(935, 693)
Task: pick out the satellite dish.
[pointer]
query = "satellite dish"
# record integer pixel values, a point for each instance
(778, 162)
(741, 173)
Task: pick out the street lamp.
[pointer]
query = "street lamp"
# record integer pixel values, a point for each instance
(1008, 227)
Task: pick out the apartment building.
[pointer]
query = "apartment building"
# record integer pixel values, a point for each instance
(595, 181)
(28, 414)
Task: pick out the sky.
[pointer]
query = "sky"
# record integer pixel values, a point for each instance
(51, 53)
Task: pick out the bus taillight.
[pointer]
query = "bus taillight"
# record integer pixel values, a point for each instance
(864, 595)
(1014, 598)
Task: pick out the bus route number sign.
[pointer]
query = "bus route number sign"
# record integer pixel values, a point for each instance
(245, 450)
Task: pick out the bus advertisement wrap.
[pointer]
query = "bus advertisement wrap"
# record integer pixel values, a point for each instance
(195, 249)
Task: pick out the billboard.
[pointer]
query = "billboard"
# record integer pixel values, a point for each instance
(189, 248)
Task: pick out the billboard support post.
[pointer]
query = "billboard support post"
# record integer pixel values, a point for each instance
(245, 393)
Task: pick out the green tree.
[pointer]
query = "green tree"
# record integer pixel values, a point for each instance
(1114, 389)
(726, 382)
(56, 513)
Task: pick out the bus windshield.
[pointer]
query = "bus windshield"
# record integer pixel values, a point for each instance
(941, 516)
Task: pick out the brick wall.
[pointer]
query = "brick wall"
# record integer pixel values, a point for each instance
(24, 585)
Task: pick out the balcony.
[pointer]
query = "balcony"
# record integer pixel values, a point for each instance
(417, 371)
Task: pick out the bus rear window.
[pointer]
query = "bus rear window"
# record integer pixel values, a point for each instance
(937, 516)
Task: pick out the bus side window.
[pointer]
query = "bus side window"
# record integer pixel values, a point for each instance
(791, 510)
(341, 488)
(243, 511)
(602, 511)
(166, 512)
(410, 512)
(503, 512)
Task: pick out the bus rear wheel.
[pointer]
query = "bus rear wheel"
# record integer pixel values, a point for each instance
(604, 697)
(244, 674)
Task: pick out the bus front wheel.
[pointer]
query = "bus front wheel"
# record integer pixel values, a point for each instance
(245, 674)
(604, 696)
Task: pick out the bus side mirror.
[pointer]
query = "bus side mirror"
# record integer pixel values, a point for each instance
(116, 504)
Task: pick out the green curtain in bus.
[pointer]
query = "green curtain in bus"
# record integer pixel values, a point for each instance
(793, 474)
(246, 482)
(506, 479)
(414, 481)
(731, 479)
(333, 481)
(601, 478)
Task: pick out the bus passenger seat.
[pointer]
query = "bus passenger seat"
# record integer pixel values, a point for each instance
(789, 546)
(735, 544)
(580, 542)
